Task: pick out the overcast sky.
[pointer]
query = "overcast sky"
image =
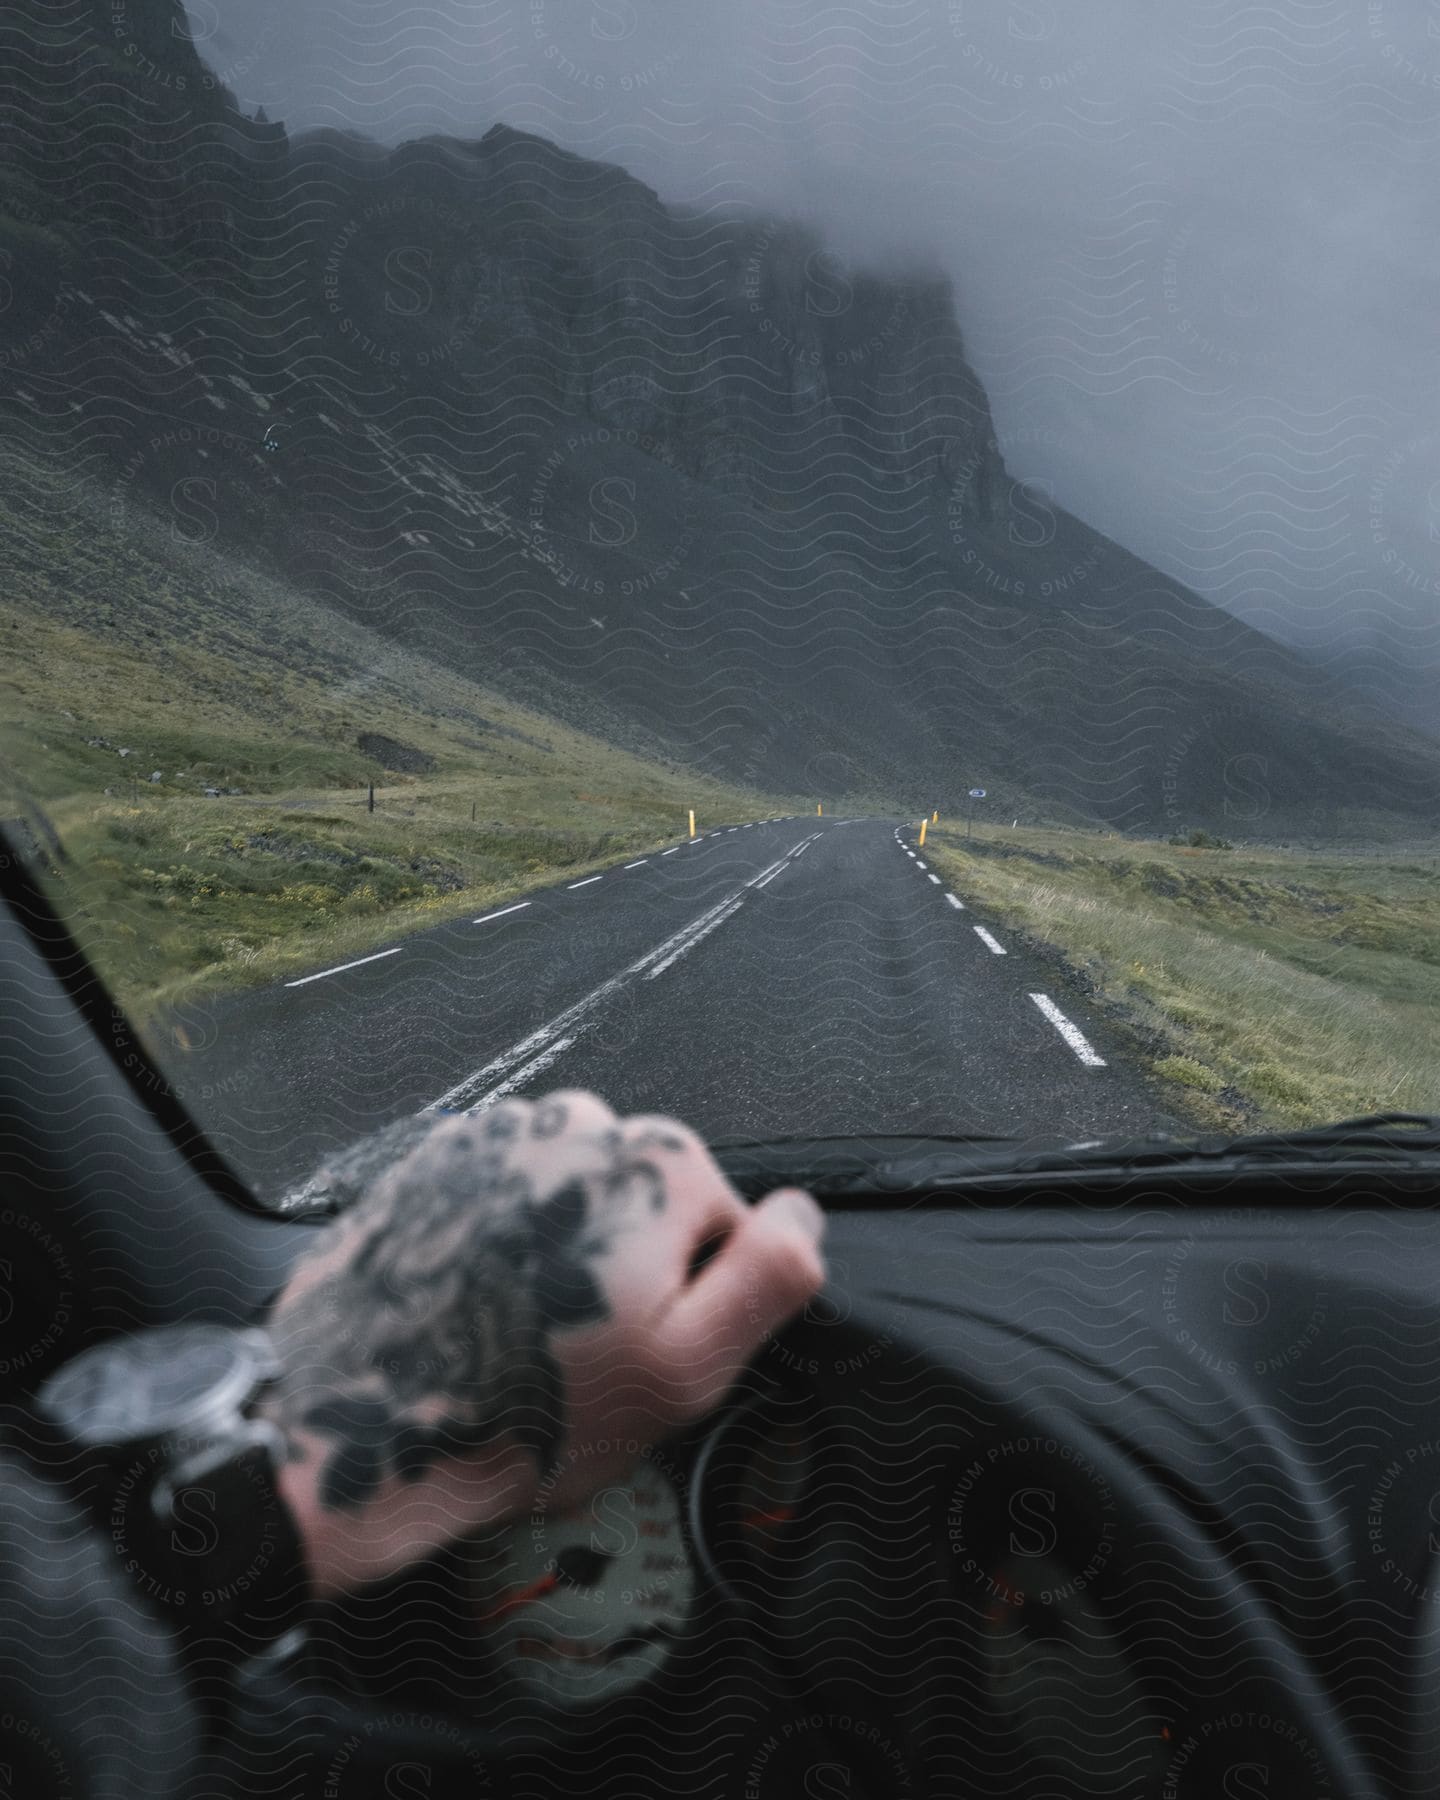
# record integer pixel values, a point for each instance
(1196, 245)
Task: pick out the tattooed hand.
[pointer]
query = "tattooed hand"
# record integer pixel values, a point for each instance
(512, 1295)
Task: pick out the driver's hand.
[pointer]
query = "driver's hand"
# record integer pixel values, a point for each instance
(514, 1303)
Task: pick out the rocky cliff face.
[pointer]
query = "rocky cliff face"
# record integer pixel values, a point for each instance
(680, 477)
(740, 352)
(742, 346)
(119, 124)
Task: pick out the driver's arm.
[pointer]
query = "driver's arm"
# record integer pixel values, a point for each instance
(518, 1298)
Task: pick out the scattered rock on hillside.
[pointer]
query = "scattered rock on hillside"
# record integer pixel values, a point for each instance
(404, 758)
(296, 849)
(438, 875)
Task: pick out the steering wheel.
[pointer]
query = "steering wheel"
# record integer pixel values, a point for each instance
(908, 1571)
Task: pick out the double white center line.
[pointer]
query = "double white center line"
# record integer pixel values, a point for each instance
(514, 1067)
(691, 936)
(768, 875)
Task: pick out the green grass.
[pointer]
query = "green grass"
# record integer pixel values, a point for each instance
(215, 675)
(1275, 987)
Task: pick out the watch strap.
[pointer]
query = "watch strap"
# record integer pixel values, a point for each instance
(222, 1514)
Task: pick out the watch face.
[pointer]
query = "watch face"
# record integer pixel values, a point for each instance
(153, 1384)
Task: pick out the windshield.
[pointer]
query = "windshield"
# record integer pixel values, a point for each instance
(831, 571)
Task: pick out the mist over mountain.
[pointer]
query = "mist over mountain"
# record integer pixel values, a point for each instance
(679, 474)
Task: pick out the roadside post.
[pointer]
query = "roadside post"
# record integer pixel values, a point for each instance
(975, 794)
(371, 806)
(923, 824)
(692, 821)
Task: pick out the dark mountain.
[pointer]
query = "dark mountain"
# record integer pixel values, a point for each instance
(682, 476)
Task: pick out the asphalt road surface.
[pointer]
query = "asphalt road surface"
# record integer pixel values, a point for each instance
(777, 979)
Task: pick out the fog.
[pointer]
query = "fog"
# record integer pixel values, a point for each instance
(1196, 248)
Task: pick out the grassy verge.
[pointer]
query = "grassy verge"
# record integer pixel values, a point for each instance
(1277, 988)
(211, 676)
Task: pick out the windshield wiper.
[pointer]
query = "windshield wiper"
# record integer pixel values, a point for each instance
(1377, 1134)
(911, 1164)
(875, 1162)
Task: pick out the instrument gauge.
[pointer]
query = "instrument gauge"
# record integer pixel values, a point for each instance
(577, 1608)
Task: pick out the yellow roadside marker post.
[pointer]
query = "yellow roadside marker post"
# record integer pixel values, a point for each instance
(923, 824)
(692, 821)
(935, 816)
(819, 810)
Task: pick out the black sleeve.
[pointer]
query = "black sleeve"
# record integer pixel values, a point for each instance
(93, 1702)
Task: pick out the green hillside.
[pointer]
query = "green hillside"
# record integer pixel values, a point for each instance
(128, 653)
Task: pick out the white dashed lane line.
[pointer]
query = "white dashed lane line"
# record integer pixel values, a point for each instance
(503, 913)
(342, 967)
(1071, 1033)
(934, 878)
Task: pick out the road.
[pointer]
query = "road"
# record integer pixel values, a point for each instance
(776, 979)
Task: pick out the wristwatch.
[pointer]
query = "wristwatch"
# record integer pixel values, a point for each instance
(154, 1433)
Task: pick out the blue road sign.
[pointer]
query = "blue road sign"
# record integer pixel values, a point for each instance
(977, 793)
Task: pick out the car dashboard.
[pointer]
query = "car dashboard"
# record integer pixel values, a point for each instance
(1050, 1500)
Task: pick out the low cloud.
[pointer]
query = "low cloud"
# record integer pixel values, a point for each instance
(1196, 249)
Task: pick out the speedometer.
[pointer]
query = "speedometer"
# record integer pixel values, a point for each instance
(579, 1607)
